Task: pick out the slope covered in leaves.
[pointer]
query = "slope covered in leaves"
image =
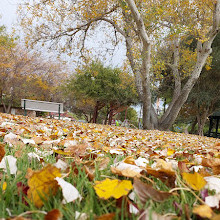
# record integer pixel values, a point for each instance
(55, 169)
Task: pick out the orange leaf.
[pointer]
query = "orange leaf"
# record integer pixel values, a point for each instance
(41, 184)
(108, 216)
(54, 214)
(2, 151)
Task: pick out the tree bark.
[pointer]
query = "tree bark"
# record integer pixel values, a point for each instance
(146, 64)
(95, 113)
(192, 131)
(110, 115)
(201, 122)
(203, 51)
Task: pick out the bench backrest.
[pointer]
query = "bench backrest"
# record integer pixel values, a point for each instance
(43, 106)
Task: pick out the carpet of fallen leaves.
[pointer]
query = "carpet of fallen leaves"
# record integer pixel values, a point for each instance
(181, 162)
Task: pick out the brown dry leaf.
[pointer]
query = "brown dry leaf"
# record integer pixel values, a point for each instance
(18, 153)
(146, 191)
(217, 146)
(210, 162)
(54, 214)
(90, 173)
(2, 134)
(77, 150)
(103, 164)
(126, 172)
(187, 212)
(42, 183)
(214, 163)
(17, 143)
(166, 176)
(38, 140)
(203, 211)
(129, 160)
(216, 170)
(183, 167)
(162, 164)
(194, 180)
(149, 214)
(204, 172)
(29, 173)
(109, 216)
(2, 151)
(54, 137)
(216, 217)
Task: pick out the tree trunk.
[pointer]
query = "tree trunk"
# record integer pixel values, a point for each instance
(201, 121)
(106, 117)
(95, 113)
(8, 110)
(192, 131)
(203, 53)
(111, 114)
(110, 117)
(146, 63)
(97, 108)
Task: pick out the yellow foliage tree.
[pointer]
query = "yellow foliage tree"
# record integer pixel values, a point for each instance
(144, 26)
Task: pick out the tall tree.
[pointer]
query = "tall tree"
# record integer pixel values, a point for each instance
(26, 74)
(7, 45)
(143, 25)
(204, 98)
(102, 86)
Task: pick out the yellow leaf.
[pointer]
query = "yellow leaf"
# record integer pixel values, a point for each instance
(62, 152)
(203, 211)
(4, 186)
(112, 188)
(65, 130)
(208, 67)
(195, 180)
(162, 164)
(129, 160)
(170, 152)
(41, 184)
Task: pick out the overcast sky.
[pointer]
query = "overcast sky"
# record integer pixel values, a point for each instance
(8, 18)
(8, 12)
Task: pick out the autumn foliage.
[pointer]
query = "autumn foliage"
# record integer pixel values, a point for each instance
(60, 168)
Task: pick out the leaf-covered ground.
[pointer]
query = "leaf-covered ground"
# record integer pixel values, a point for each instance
(54, 169)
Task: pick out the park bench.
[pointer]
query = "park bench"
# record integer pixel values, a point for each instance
(41, 106)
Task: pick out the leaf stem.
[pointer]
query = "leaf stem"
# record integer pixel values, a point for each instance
(30, 212)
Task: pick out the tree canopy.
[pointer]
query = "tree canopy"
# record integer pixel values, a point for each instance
(102, 86)
(144, 27)
(26, 74)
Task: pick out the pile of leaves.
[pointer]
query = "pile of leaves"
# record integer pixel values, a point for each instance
(54, 169)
